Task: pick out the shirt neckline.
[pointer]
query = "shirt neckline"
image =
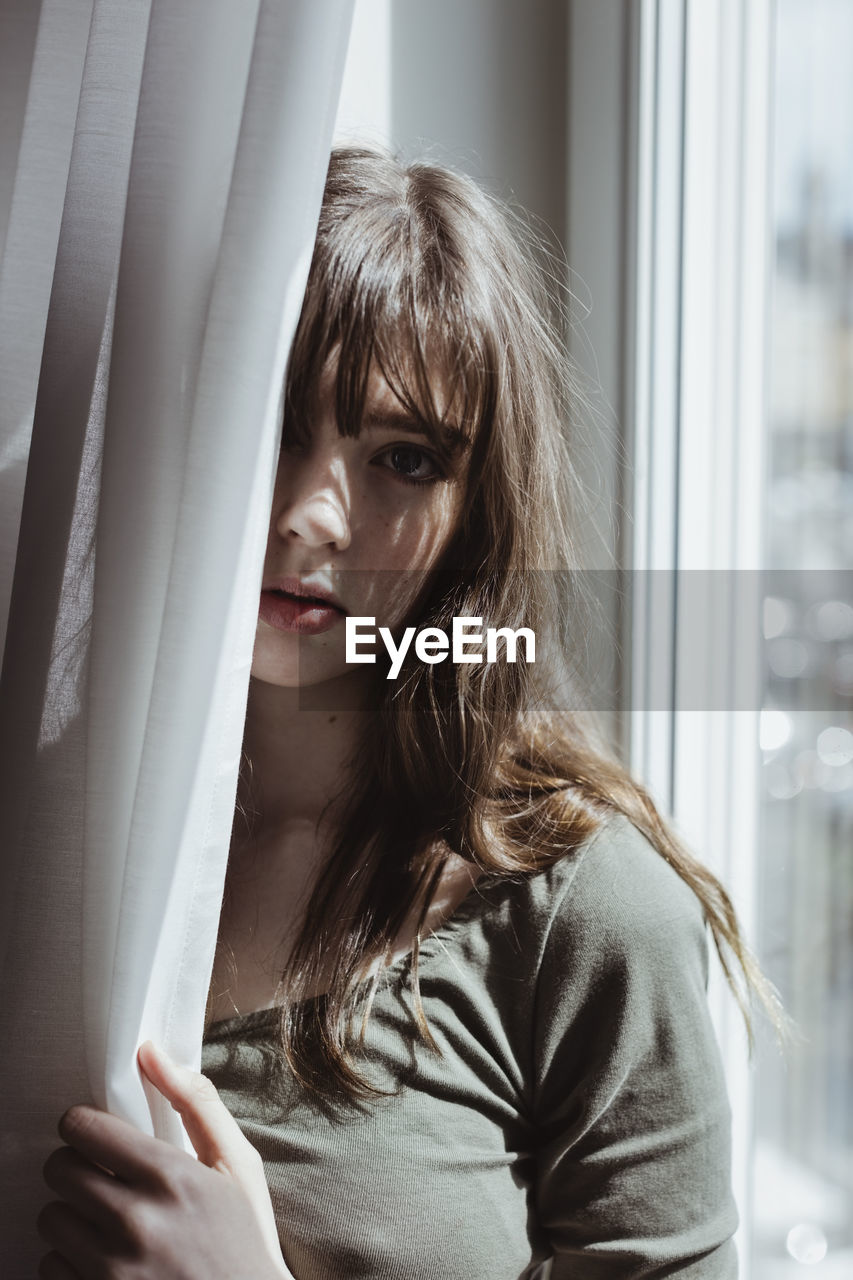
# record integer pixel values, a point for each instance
(474, 901)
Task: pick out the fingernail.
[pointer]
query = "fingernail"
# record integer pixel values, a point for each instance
(150, 1047)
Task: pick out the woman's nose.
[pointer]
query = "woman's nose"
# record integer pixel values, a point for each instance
(312, 500)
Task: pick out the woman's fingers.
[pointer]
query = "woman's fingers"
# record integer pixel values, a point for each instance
(54, 1267)
(75, 1239)
(216, 1137)
(95, 1194)
(133, 1204)
(112, 1143)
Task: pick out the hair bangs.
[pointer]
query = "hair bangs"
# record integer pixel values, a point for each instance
(384, 298)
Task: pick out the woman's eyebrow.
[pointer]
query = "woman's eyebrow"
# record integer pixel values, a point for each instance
(453, 438)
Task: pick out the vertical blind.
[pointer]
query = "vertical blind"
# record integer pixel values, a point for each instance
(161, 169)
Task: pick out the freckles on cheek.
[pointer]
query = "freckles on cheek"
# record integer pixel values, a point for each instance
(415, 534)
(446, 521)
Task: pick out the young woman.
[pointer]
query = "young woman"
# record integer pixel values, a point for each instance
(458, 1008)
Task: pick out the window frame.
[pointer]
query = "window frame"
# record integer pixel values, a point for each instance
(692, 161)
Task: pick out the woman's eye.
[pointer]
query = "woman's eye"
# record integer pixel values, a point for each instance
(410, 463)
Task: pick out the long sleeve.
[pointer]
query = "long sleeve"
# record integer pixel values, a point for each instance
(631, 1109)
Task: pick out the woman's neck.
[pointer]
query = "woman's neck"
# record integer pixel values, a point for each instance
(299, 763)
(298, 756)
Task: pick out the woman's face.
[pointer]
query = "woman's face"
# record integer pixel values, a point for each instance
(357, 524)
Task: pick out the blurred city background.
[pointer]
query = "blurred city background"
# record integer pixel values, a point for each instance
(803, 1157)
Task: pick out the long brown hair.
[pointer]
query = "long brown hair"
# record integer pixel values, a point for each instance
(423, 275)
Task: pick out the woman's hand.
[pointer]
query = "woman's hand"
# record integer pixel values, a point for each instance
(136, 1208)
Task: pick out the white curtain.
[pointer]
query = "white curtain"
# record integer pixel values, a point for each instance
(161, 168)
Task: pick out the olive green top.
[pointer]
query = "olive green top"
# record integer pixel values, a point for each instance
(577, 1109)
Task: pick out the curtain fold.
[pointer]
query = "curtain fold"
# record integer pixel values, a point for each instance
(168, 166)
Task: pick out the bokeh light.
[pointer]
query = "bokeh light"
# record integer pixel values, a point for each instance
(779, 616)
(806, 1243)
(835, 746)
(775, 729)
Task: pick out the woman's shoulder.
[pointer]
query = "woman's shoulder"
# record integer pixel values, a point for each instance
(614, 894)
(611, 919)
(591, 970)
(623, 955)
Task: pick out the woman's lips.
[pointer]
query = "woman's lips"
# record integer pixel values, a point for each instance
(301, 614)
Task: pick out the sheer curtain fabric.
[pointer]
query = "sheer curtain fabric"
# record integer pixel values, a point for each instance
(161, 169)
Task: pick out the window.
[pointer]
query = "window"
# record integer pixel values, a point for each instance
(740, 422)
(803, 1162)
